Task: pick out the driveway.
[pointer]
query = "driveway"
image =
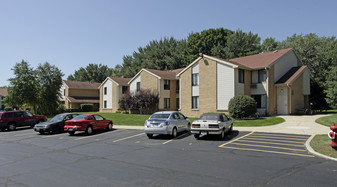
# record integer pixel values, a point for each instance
(304, 125)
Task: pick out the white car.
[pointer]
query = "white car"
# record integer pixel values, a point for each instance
(166, 122)
(212, 123)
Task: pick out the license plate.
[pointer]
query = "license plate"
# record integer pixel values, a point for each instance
(70, 129)
(203, 132)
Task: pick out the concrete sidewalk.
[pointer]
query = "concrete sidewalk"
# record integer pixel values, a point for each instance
(292, 125)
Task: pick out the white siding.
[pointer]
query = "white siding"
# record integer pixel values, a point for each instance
(284, 64)
(306, 82)
(133, 84)
(108, 96)
(239, 87)
(195, 89)
(225, 85)
(62, 90)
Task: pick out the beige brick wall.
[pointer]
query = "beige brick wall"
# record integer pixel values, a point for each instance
(248, 81)
(271, 91)
(297, 97)
(207, 89)
(173, 95)
(148, 81)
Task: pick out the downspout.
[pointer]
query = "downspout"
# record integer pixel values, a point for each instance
(267, 88)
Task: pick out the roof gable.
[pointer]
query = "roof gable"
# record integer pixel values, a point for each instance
(291, 75)
(82, 85)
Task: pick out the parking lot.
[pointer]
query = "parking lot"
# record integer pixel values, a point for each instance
(125, 157)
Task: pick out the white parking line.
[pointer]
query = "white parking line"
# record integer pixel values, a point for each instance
(97, 135)
(174, 138)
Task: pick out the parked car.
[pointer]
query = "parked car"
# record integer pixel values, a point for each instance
(11, 119)
(87, 123)
(166, 122)
(54, 125)
(212, 123)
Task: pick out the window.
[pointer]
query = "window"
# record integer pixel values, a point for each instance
(241, 76)
(177, 103)
(166, 102)
(262, 76)
(124, 89)
(18, 114)
(176, 116)
(27, 114)
(182, 116)
(105, 90)
(138, 86)
(99, 118)
(195, 79)
(177, 86)
(195, 102)
(105, 104)
(261, 101)
(91, 118)
(8, 115)
(64, 92)
(166, 84)
(224, 117)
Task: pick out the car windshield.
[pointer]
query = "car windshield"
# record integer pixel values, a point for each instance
(57, 118)
(211, 117)
(160, 116)
(81, 117)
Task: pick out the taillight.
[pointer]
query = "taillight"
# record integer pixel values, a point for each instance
(195, 125)
(213, 126)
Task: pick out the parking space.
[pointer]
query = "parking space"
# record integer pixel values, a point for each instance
(283, 144)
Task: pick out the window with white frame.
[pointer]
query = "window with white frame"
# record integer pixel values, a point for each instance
(241, 76)
(195, 102)
(105, 104)
(166, 102)
(262, 76)
(138, 86)
(105, 90)
(195, 79)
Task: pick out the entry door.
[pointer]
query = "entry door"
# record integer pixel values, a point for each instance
(282, 100)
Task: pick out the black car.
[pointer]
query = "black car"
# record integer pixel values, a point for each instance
(54, 125)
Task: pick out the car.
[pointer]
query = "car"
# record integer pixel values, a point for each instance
(54, 125)
(166, 122)
(87, 123)
(212, 123)
(11, 119)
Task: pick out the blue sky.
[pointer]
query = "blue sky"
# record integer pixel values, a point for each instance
(73, 33)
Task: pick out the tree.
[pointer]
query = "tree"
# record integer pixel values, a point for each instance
(91, 73)
(211, 42)
(23, 87)
(242, 106)
(331, 87)
(269, 44)
(165, 54)
(242, 44)
(49, 80)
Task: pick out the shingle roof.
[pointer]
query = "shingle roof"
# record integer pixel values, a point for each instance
(170, 74)
(121, 81)
(3, 92)
(259, 60)
(75, 99)
(291, 75)
(82, 85)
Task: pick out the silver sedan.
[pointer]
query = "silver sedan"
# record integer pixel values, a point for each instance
(166, 122)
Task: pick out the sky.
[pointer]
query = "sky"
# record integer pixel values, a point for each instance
(74, 33)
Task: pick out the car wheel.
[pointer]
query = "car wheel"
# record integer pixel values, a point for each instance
(55, 130)
(109, 127)
(89, 130)
(11, 127)
(71, 133)
(196, 136)
(149, 135)
(222, 135)
(3, 128)
(41, 132)
(174, 132)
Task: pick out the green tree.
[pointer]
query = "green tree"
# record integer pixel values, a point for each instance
(23, 87)
(331, 87)
(49, 80)
(242, 44)
(211, 42)
(91, 73)
(269, 44)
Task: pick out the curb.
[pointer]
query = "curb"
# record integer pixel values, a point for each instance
(311, 150)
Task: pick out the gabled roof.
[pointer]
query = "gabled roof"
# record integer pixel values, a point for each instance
(120, 80)
(169, 74)
(261, 60)
(82, 85)
(3, 92)
(291, 75)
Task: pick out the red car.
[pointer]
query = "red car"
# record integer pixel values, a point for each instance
(11, 119)
(87, 123)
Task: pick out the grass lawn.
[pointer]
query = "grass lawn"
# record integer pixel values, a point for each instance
(138, 120)
(327, 120)
(321, 144)
(262, 121)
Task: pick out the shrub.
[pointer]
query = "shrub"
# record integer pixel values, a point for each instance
(143, 101)
(242, 106)
(87, 107)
